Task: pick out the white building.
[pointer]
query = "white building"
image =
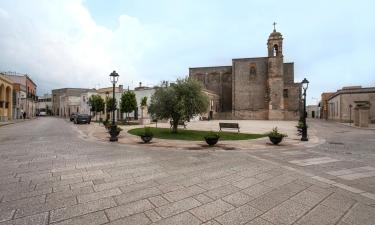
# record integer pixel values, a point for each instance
(84, 102)
(44, 104)
(69, 105)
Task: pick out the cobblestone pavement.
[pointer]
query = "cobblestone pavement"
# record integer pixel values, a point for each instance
(49, 174)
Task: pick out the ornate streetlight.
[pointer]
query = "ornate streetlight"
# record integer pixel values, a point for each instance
(113, 131)
(305, 85)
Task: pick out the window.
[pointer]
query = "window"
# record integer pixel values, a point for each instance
(285, 93)
(275, 50)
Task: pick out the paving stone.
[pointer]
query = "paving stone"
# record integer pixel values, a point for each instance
(286, 213)
(165, 188)
(115, 184)
(138, 186)
(246, 182)
(6, 214)
(18, 196)
(211, 210)
(211, 222)
(321, 215)
(203, 198)
(98, 195)
(180, 219)
(44, 207)
(177, 207)
(138, 219)
(183, 193)
(211, 184)
(158, 201)
(81, 209)
(259, 221)
(152, 215)
(95, 218)
(221, 191)
(338, 202)
(237, 199)
(308, 198)
(81, 185)
(257, 190)
(70, 193)
(37, 219)
(128, 209)
(239, 215)
(137, 195)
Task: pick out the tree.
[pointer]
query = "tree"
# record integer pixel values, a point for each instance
(96, 103)
(111, 104)
(128, 103)
(144, 101)
(180, 101)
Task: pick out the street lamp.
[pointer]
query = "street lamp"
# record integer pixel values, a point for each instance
(305, 85)
(113, 131)
(350, 114)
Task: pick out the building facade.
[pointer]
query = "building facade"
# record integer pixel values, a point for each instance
(313, 111)
(255, 88)
(26, 97)
(6, 98)
(341, 104)
(67, 100)
(44, 105)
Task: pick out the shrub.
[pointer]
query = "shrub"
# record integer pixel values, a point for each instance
(147, 132)
(275, 133)
(212, 135)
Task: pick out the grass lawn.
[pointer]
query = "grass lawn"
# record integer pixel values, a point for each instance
(194, 135)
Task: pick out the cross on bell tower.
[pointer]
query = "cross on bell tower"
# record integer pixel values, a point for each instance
(274, 26)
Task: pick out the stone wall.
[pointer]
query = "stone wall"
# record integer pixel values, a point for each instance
(218, 80)
(249, 82)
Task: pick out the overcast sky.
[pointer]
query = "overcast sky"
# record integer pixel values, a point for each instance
(77, 43)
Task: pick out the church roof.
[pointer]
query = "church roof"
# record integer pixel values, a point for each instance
(276, 34)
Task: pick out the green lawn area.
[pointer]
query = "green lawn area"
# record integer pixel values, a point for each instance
(193, 135)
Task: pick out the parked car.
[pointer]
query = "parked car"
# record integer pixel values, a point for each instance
(73, 116)
(82, 118)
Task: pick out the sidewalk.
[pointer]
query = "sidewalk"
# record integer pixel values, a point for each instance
(98, 132)
(14, 121)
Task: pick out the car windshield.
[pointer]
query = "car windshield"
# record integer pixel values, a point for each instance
(84, 115)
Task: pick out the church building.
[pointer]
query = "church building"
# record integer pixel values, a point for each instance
(254, 88)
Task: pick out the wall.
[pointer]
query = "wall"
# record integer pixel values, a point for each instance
(218, 80)
(249, 88)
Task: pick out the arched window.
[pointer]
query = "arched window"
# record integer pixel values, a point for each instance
(275, 50)
(253, 71)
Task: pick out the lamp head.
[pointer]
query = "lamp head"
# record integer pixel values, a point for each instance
(114, 77)
(305, 84)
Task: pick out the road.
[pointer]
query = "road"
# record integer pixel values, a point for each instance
(50, 174)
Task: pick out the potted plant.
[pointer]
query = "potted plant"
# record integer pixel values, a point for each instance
(212, 138)
(147, 135)
(114, 130)
(276, 137)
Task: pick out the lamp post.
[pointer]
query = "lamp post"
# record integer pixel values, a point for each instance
(106, 105)
(350, 114)
(113, 131)
(305, 85)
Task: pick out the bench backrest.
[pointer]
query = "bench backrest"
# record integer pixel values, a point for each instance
(228, 125)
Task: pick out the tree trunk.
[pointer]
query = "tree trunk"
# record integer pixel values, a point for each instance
(175, 125)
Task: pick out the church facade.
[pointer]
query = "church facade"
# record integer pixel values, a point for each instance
(254, 88)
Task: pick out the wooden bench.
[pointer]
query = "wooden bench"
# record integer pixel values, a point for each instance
(230, 126)
(180, 123)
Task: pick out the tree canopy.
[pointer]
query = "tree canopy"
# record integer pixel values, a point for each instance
(111, 104)
(96, 103)
(180, 101)
(144, 101)
(128, 102)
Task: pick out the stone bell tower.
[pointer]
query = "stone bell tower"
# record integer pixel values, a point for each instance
(275, 76)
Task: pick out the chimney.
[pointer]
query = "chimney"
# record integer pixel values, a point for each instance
(120, 88)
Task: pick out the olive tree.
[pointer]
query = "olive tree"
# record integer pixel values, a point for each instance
(180, 101)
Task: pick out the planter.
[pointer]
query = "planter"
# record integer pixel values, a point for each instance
(211, 141)
(146, 138)
(275, 140)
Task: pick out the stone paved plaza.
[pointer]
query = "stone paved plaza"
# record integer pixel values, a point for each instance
(52, 173)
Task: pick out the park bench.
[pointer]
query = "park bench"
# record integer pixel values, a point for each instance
(229, 126)
(180, 123)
